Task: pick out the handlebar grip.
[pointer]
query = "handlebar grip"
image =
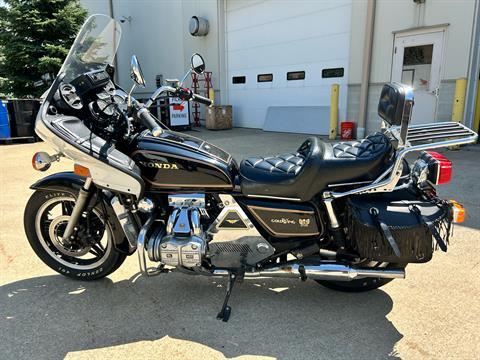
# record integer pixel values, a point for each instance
(149, 121)
(202, 100)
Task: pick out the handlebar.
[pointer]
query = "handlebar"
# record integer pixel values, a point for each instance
(202, 100)
(149, 121)
(184, 94)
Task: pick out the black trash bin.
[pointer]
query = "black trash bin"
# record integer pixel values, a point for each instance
(22, 114)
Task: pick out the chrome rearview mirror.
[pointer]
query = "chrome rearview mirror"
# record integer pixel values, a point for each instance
(136, 73)
(197, 64)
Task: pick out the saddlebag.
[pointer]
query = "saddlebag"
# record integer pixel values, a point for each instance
(385, 228)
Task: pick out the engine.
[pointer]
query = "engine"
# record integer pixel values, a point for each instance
(182, 243)
(190, 241)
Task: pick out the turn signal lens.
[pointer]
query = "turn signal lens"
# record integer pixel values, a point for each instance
(458, 212)
(81, 170)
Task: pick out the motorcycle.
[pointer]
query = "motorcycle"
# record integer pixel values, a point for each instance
(349, 215)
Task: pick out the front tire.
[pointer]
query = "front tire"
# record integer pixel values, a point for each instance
(90, 255)
(361, 285)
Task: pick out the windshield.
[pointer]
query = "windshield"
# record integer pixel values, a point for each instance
(95, 46)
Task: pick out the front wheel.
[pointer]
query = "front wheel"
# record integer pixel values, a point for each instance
(90, 253)
(361, 285)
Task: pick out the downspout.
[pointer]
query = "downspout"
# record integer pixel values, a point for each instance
(473, 71)
(115, 63)
(367, 61)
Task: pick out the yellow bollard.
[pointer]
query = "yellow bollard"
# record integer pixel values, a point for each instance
(332, 135)
(476, 117)
(459, 99)
(458, 103)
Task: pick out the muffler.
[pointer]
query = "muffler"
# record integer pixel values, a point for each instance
(332, 271)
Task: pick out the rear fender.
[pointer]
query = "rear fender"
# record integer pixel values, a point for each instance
(72, 183)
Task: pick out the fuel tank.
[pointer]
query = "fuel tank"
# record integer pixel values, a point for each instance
(180, 162)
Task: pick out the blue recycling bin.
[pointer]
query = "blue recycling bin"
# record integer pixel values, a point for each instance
(4, 121)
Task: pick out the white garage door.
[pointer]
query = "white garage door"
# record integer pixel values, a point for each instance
(266, 40)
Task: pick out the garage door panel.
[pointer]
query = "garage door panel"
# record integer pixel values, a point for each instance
(272, 11)
(313, 74)
(291, 30)
(319, 95)
(321, 49)
(280, 37)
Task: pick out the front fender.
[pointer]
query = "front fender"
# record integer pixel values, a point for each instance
(60, 181)
(70, 182)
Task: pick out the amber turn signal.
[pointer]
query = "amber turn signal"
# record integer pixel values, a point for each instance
(458, 212)
(81, 170)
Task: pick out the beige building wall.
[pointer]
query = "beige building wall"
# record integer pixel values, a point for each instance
(158, 34)
(397, 15)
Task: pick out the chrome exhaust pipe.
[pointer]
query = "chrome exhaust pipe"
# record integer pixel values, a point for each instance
(336, 272)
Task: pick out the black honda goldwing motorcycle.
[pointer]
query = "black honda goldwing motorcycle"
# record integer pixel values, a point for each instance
(349, 215)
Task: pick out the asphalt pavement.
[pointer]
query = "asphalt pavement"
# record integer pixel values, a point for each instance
(433, 314)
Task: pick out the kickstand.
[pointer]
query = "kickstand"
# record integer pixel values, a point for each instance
(224, 314)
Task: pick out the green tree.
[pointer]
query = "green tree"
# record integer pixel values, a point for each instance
(35, 36)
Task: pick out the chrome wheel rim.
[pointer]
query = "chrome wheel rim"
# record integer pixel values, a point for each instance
(51, 218)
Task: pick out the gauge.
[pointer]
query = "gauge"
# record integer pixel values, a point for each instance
(105, 107)
(70, 96)
(109, 88)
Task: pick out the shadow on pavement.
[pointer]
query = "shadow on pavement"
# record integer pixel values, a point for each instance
(48, 317)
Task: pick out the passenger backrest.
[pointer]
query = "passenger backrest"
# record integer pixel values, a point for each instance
(396, 105)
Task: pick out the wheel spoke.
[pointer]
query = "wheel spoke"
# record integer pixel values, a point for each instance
(66, 208)
(97, 250)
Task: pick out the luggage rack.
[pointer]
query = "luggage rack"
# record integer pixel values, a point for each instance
(437, 134)
(395, 108)
(416, 138)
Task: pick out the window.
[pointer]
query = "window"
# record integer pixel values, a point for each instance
(239, 80)
(332, 73)
(417, 66)
(296, 75)
(265, 78)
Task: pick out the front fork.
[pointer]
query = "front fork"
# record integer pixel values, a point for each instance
(124, 216)
(83, 198)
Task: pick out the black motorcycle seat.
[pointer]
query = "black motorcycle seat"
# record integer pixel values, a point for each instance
(316, 164)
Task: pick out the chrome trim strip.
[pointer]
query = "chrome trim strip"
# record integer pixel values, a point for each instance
(350, 183)
(273, 197)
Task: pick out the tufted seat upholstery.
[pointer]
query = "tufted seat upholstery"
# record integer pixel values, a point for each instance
(289, 164)
(366, 148)
(315, 165)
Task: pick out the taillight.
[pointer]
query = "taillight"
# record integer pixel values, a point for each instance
(443, 173)
(439, 167)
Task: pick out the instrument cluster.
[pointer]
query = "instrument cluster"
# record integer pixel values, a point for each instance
(94, 98)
